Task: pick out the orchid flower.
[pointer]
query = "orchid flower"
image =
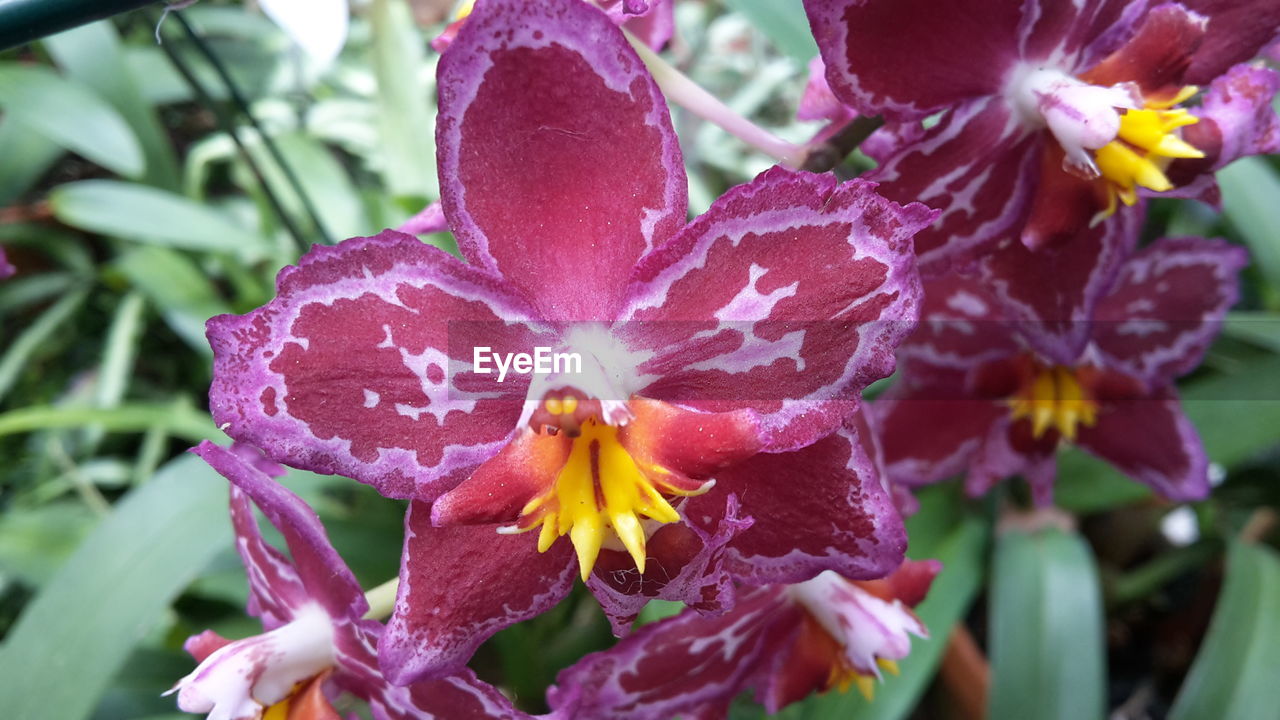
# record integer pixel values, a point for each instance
(1052, 115)
(715, 357)
(784, 641)
(980, 393)
(316, 641)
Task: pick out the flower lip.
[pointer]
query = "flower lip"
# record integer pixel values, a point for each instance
(1082, 117)
(242, 678)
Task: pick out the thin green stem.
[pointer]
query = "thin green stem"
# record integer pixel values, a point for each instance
(686, 93)
(228, 126)
(382, 599)
(242, 105)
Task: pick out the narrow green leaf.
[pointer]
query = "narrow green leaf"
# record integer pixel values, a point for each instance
(1046, 639)
(408, 157)
(1260, 328)
(131, 211)
(74, 636)
(27, 154)
(29, 340)
(323, 179)
(70, 115)
(34, 541)
(175, 286)
(1234, 674)
(784, 22)
(1250, 187)
(179, 419)
(93, 55)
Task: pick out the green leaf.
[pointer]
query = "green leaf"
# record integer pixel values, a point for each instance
(961, 552)
(145, 214)
(178, 418)
(1234, 674)
(1260, 328)
(70, 115)
(784, 22)
(29, 340)
(1250, 187)
(175, 286)
(93, 55)
(1046, 639)
(77, 632)
(34, 541)
(27, 154)
(408, 158)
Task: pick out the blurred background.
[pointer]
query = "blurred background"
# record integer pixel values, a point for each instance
(156, 171)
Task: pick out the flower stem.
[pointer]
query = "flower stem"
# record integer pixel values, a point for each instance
(684, 92)
(382, 599)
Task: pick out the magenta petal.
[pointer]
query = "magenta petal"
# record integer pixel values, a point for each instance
(813, 285)
(1237, 119)
(316, 573)
(1238, 30)
(1049, 294)
(1009, 450)
(429, 219)
(558, 163)
(655, 25)
(908, 58)
(978, 164)
(462, 696)
(1152, 441)
(460, 585)
(669, 667)
(820, 508)
(1167, 306)
(347, 370)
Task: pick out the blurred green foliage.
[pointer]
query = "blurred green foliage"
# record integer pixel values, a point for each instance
(133, 216)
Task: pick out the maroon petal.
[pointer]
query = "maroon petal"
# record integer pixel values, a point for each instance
(558, 163)
(908, 58)
(315, 573)
(1167, 306)
(1238, 31)
(978, 164)
(962, 326)
(788, 296)
(462, 696)
(820, 508)
(1049, 294)
(1152, 441)
(1157, 56)
(459, 586)
(685, 564)
(929, 426)
(348, 369)
(670, 667)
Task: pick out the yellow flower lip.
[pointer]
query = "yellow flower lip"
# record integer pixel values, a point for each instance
(600, 488)
(1054, 399)
(1147, 142)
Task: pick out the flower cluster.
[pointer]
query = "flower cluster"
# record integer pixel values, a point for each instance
(704, 439)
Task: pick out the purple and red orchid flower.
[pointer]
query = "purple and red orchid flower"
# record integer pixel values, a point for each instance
(316, 641)
(996, 400)
(652, 22)
(784, 641)
(714, 357)
(1052, 114)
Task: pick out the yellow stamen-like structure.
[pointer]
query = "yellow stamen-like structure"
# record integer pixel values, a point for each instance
(600, 487)
(1054, 399)
(279, 711)
(1146, 144)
